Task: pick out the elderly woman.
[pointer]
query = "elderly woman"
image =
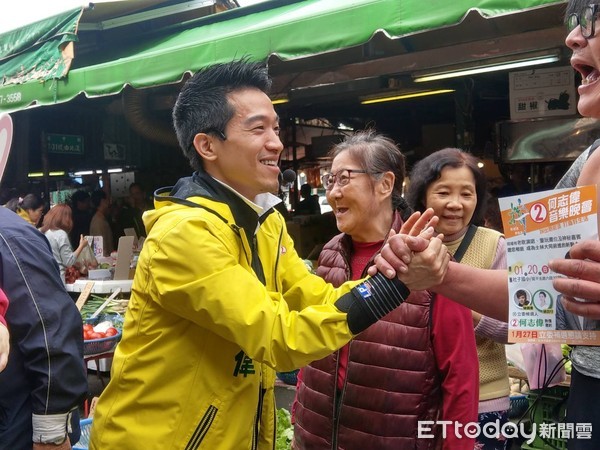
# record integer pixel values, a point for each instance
(450, 182)
(419, 363)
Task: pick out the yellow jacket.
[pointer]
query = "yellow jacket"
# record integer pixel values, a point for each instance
(202, 334)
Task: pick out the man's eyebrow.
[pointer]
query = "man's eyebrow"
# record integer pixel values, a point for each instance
(259, 118)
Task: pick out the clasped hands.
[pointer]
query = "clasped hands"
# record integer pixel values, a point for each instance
(416, 255)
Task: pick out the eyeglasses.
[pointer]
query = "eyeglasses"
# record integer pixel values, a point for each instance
(342, 178)
(586, 20)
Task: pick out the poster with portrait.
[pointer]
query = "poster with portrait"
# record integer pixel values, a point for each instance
(539, 227)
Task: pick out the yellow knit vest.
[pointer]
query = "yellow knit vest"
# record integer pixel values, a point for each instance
(493, 370)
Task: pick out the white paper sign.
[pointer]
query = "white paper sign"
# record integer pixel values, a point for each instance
(539, 227)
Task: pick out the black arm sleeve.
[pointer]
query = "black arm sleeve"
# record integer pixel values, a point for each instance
(368, 302)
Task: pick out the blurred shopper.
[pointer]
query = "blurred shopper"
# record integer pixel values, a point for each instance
(450, 182)
(492, 217)
(45, 380)
(30, 208)
(309, 203)
(130, 215)
(418, 363)
(100, 226)
(220, 298)
(81, 210)
(57, 223)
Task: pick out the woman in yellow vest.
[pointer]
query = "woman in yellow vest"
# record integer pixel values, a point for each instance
(450, 182)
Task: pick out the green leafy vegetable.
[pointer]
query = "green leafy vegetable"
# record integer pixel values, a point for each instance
(285, 430)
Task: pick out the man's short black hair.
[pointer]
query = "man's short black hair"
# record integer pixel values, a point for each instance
(202, 105)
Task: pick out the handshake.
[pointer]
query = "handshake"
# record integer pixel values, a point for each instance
(418, 258)
(415, 254)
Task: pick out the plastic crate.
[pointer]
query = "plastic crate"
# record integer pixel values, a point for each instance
(290, 378)
(548, 406)
(518, 406)
(84, 440)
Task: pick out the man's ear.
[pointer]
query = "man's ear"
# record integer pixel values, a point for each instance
(203, 143)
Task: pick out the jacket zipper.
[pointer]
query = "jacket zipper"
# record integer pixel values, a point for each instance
(337, 403)
(202, 428)
(275, 279)
(261, 394)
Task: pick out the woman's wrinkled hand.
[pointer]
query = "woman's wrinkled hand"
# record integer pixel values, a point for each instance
(416, 255)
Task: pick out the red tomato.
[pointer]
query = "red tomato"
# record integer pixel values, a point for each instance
(111, 331)
(96, 335)
(86, 335)
(88, 327)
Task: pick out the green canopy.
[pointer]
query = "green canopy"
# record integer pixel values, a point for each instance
(288, 30)
(41, 51)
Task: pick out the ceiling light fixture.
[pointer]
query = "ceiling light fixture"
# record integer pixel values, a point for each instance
(405, 96)
(280, 101)
(490, 67)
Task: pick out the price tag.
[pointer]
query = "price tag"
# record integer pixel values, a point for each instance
(85, 293)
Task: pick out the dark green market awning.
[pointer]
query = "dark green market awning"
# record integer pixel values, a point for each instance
(41, 51)
(288, 30)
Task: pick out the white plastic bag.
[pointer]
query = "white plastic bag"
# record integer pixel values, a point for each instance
(544, 364)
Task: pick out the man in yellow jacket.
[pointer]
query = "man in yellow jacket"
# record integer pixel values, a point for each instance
(220, 298)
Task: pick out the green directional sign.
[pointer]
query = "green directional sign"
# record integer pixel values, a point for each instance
(64, 143)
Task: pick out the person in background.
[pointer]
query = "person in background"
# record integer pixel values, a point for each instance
(220, 298)
(100, 226)
(131, 213)
(57, 223)
(81, 210)
(418, 363)
(450, 182)
(45, 380)
(30, 208)
(492, 217)
(309, 203)
(4, 335)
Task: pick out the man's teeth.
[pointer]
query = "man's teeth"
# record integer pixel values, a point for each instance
(269, 163)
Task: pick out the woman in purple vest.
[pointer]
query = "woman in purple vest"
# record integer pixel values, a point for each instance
(418, 365)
